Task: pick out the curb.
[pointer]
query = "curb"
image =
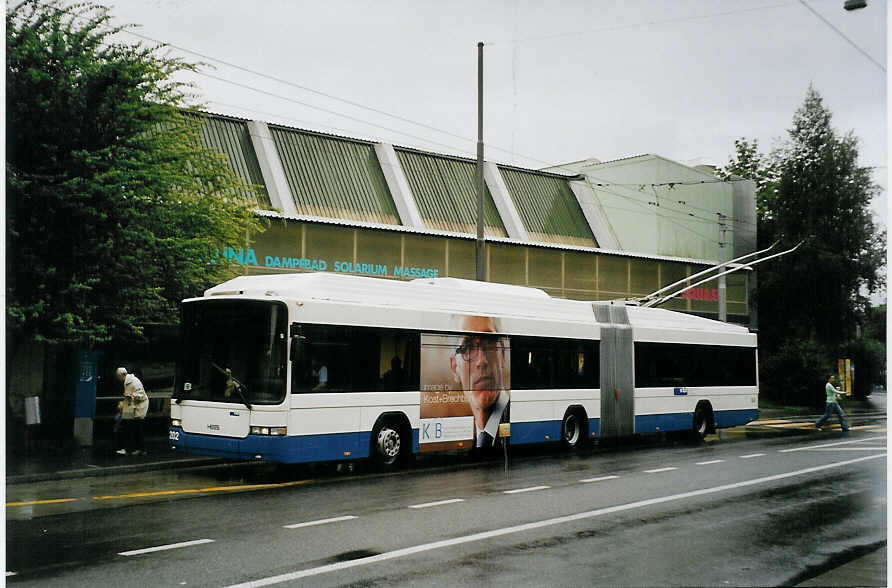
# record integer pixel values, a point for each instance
(99, 471)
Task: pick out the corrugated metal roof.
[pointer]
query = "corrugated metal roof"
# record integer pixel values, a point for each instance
(334, 178)
(548, 208)
(445, 191)
(231, 138)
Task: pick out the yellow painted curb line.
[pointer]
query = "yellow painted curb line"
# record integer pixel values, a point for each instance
(243, 487)
(201, 490)
(33, 502)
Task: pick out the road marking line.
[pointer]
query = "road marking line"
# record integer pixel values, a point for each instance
(530, 489)
(34, 502)
(438, 503)
(601, 479)
(850, 449)
(751, 455)
(8, 574)
(710, 462)
(166, 547)
(344, 565)
(809, 447)
(660, 470)
(320, 522)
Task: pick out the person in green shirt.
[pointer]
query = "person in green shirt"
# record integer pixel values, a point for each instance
(833, 406)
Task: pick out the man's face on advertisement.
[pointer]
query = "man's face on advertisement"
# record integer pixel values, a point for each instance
(476, 363)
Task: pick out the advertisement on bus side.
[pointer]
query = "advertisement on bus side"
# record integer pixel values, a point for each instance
(465, 385)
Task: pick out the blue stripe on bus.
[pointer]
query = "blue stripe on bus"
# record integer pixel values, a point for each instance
(312, 448)
(652, 423)
(684, 421)
(544, 431)
(293, 449)
(735, 418)
(535, 432)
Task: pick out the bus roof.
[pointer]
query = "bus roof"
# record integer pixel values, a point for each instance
(453, 295)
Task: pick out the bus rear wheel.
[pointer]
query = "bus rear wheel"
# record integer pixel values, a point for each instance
(574, 432)
(701, 423)
(389, 445)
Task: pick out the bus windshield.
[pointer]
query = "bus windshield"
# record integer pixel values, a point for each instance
(233, 351)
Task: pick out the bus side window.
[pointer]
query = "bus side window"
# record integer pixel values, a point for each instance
(334, 358)
(398, 362)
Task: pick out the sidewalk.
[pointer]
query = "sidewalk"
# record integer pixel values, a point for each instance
(46, 463)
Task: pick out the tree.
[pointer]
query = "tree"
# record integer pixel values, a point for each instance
(750, 164)
(812, 302)
(115, 211)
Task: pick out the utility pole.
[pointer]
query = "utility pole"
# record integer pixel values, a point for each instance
(723, 254)
(481, 248)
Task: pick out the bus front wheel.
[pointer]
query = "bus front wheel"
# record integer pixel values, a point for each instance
(389, 445)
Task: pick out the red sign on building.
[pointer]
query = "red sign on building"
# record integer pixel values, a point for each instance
(702, 294)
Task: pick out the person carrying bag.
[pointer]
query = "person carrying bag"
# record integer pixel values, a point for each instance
(133, 413)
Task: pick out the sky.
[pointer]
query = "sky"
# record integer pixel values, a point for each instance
(563, 80)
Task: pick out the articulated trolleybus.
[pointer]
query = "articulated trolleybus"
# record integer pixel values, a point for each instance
(322, 367)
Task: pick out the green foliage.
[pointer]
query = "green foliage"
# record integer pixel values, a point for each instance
(810, 303)
(794, 372)
(868, 352)
(115, 211)
(750, 164)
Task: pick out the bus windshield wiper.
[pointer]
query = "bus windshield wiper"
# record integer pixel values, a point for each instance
(230, 380)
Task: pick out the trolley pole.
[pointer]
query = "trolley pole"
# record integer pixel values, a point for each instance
(481, 250)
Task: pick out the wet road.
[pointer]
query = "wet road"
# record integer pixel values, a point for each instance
(735, 511)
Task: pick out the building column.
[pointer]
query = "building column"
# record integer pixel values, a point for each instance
(399, 186)
(502, 199)
(271, 167)
(594, 214)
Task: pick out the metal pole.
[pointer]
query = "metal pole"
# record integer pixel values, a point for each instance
(481, 250)
(723, 284)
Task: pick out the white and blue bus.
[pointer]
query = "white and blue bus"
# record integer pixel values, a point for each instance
(320, 367)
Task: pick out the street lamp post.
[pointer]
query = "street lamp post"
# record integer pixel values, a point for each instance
(481, 251)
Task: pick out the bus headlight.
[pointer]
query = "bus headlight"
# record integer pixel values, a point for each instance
(269, 430)
(176, 423)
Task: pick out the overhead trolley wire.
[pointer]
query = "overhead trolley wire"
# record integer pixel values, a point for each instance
(305, 88)
(283, 117)
(326, 110)
(843, 35)
(635, 26)
(651, 210)
(602, 186)
(369, 108)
